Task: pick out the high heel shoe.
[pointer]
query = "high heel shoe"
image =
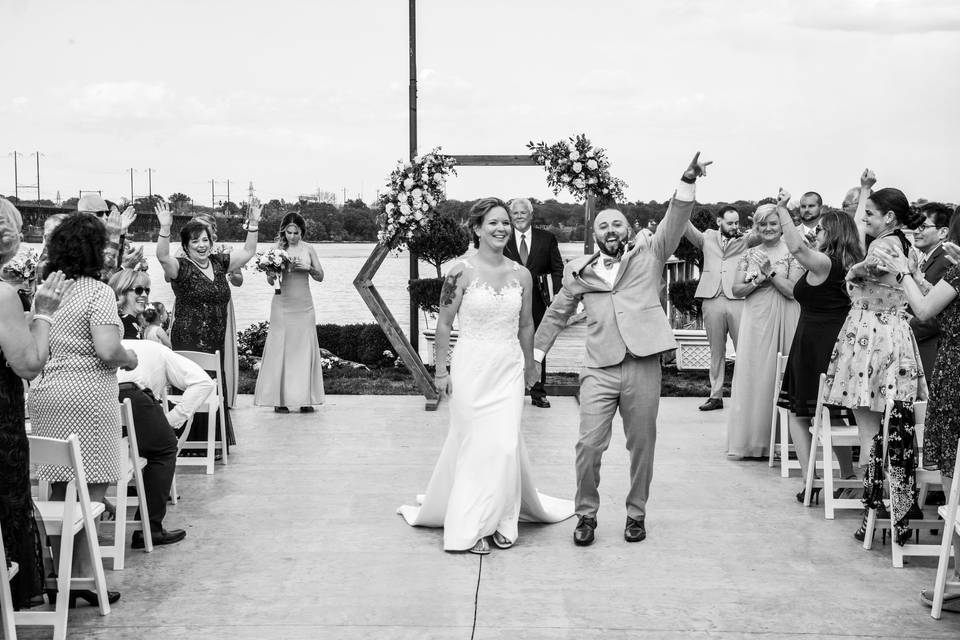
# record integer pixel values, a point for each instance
(814, 495)
(90, 597)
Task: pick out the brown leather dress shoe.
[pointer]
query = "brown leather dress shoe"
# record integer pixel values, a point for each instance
(583, 535)
(634, 531)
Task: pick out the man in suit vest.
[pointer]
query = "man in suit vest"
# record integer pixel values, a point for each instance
(721, 248)
(539, 252)
(933, 264)
(627, 331)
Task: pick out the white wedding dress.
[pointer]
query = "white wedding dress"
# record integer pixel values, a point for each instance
(482, 482)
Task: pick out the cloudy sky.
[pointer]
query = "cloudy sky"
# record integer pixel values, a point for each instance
(297, 96)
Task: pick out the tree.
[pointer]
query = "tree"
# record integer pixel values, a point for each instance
(443, 239)
(229, 208)
(179, 201)
(355, 204)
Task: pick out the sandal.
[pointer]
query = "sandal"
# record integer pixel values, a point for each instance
(501, 541)
(481, 548)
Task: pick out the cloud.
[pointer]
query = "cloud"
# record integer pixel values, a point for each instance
(889, 17)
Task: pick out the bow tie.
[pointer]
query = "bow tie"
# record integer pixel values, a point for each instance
(608, 262)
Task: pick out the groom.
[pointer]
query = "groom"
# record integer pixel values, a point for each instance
(627, 331)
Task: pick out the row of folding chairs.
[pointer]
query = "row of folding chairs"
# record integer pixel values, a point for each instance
(824, 437)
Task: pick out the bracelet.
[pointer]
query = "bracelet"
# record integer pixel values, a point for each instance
(688, 180)
(253, 230)
(160, 235)
(42, 317)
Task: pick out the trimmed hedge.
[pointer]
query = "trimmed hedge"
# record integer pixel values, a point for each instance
(425, 293)
(363, 343)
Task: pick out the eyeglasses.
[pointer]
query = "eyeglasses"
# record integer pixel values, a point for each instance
(927, 225)
(139, 290)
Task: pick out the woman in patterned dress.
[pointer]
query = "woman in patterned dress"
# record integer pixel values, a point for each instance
(875, 357)
(942, 301)
(77, 391)
(24, 347)
(765, 276)
(199, 282)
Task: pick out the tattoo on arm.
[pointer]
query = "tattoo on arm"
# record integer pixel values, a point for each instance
(449, 290)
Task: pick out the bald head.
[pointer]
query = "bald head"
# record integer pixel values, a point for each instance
(851, 200)
(611, 230)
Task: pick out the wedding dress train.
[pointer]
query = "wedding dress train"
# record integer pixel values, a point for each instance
(482, 482)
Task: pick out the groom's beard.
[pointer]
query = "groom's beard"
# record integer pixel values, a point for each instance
(613, 245)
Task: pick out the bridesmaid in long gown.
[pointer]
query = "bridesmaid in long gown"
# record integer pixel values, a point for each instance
(482, 485)
(291, 373)
(765, 276)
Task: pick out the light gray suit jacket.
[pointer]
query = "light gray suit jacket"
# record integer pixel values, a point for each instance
(627, 317)
(719, 263)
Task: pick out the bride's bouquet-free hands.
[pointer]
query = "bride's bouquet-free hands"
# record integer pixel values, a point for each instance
(273, 263)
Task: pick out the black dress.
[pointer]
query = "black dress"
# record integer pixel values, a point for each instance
(823, 310)
(131, 328)
(943, 413)
(21, 537)
(200, 320)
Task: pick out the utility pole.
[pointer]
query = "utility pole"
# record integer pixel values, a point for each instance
(38, 176)
(213, 195)
(344, 197)
(16, 178)
(131, 185)
(150, 182)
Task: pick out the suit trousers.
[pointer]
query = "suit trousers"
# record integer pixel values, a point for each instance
(158, 445)
(633, 387)
(721, 317)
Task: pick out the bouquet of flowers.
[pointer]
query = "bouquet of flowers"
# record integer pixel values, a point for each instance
(579, 167)
(273, 262)
(414, 189)
(23, 267)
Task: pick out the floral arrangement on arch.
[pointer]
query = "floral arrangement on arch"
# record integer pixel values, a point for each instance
(579, 167)
(414, 189)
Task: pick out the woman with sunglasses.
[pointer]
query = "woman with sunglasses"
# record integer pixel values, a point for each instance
(132, 287)
(823, 308)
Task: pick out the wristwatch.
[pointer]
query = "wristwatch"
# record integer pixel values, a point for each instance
(900, 276)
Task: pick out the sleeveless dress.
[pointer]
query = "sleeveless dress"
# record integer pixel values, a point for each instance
(291, 373)
(200, 321)
(767, 325)
(482, 482)
(823, 311)
(77, 392)
(21, 537)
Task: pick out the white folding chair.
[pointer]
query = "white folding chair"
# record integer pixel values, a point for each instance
(131, 470)
(66, 519)
(6, 598)
(951, 521)
(827, 436)
(781, 417)
(899, 552)
(213, 408)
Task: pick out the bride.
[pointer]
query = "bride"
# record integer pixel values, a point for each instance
(482, 484)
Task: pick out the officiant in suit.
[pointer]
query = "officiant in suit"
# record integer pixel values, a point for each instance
(539, 252)
(933, 264)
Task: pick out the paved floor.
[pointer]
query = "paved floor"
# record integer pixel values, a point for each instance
(298, 538)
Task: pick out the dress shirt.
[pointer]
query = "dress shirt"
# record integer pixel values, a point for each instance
(157, 367)
(609, 274)
(925, 255)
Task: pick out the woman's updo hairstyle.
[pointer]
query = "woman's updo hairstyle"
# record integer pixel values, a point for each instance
(478, 212)
(890, 199)
(291, 218)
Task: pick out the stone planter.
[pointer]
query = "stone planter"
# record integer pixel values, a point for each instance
(693, 349)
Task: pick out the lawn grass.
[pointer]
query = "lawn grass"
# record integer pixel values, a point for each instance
(394, 381)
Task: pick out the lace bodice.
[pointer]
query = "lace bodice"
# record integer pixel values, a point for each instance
(487, 313)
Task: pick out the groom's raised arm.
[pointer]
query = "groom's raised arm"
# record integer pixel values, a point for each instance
(677, 219)
(555, 318)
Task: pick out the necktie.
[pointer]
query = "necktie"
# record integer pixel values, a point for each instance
(524, 253)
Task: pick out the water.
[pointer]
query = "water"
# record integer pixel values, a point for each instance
(335, 299)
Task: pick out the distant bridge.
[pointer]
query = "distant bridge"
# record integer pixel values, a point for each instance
(143, 229)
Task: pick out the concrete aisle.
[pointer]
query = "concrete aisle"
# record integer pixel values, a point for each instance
(298, 538)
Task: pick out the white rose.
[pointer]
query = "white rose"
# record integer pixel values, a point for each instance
(418, 216)
(578, 183)
(425, 207)
(417, 192)
(416, 159)
(404, 208)
(408, 183)
(574, 155)
(577, 167)
(592, 164)
(591, 180)
(590, 153)
(566, 178)
(390, 207)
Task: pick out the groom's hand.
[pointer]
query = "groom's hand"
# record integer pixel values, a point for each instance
(696, 168)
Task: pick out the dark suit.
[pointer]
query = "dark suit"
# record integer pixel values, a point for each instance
(927, 332)
(544, 261)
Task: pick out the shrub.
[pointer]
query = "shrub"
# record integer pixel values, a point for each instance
(328, 335)
(363, 343)
(375, 349)
(425, 293)
(682, 298)
(440, 241)
(250, 341)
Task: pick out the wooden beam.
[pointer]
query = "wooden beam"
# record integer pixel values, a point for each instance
(495, 161)
(374, 301)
